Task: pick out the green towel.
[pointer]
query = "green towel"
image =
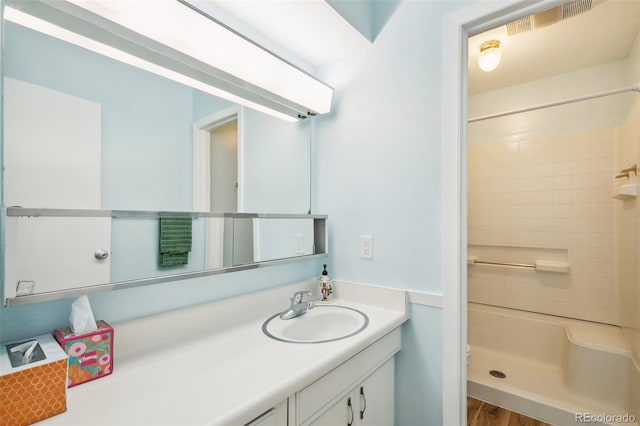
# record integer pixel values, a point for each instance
(175, 240)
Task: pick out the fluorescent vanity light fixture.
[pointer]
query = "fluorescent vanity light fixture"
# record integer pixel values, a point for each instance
(180, 27)
(49, 29)
(261, 80)
(489, 55)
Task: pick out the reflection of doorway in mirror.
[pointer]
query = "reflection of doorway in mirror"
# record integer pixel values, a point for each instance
(225, 124)
(223, 167)
(216, 179)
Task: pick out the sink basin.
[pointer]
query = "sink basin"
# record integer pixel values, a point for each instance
(323, 323)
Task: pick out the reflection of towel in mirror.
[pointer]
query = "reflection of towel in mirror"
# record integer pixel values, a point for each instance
(175, 240)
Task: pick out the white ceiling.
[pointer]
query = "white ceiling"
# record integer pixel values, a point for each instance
(311, 34)
(605, 33)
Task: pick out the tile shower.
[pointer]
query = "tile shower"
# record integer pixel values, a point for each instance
(554, 192)
(553, 197)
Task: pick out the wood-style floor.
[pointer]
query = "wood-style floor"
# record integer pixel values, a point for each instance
(481, 413)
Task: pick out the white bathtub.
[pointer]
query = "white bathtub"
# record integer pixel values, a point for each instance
(556, 368)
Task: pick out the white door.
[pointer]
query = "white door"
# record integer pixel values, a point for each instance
(56, 253)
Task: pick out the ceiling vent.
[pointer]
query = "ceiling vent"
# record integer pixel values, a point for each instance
(551, 16)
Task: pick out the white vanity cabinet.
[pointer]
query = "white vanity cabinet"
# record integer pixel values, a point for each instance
(357, 393)
(276, 416)
(375, 397)
(369, 403)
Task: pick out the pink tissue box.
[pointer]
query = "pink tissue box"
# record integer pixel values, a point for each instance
(90, 354)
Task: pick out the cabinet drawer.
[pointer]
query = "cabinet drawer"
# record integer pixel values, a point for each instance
(342, 379)
(277, 416)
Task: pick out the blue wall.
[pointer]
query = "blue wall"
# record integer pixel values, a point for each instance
(419, 369)
(377, 172)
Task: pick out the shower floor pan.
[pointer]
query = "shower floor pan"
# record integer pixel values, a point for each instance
(555, 369)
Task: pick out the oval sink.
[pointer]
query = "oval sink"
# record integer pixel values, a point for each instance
(323, 323)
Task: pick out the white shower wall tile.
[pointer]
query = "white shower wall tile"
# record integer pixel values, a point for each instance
(581, 167)
(627, 226)
(605, 315)
(556, 193)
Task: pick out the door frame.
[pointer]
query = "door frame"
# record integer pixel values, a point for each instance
(458, 27)
(202, 155)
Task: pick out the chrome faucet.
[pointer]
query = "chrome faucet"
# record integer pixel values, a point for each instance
(298, 307)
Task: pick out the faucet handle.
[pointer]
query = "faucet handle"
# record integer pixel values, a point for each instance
(298, 295)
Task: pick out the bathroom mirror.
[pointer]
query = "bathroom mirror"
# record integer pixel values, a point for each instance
(129, 135)
(122, 145)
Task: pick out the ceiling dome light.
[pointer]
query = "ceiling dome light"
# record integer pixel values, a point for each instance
(489, 55)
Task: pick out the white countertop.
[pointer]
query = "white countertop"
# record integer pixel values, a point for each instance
(211, 364)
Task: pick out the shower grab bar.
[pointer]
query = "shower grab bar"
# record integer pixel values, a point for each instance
(633, 169)
(514, 265)
(539, 265)
(632, 88)
(621, 175)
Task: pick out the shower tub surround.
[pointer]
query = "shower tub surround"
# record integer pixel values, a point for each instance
(559, 370)
(211, 364)
(552, 193)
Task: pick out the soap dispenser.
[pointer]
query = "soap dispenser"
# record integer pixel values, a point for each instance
(325, 286)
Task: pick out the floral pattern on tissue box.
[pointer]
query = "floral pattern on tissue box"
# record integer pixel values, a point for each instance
(90, 354)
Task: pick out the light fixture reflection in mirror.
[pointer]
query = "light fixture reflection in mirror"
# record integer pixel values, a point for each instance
(176, 43)
(49, 29)
(144, 136)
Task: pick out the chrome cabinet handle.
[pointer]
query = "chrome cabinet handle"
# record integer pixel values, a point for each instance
(364, 402)
(101, 254)
(350, 411)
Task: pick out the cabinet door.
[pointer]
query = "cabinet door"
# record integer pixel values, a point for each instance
(342, 413)
(277, 416)
(56, 253)
(315, 398)
(375, 397)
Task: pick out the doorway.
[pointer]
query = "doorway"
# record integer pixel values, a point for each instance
(217, 162)
(466, 23)
(458, 27)
(223, 167)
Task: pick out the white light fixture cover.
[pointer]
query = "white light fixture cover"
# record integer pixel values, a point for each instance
(197, 51)
(489, 55)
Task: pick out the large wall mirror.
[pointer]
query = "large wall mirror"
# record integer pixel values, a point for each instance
(120, 145)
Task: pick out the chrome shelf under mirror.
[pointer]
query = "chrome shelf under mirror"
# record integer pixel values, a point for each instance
(17, 211)
(41, 250)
